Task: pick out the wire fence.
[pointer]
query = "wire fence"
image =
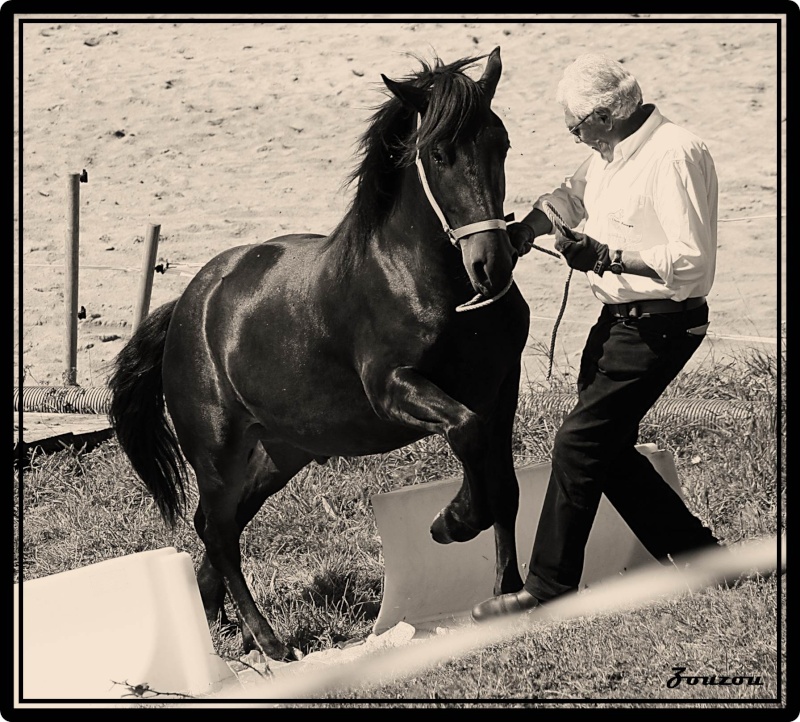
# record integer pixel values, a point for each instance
(180, 267)
(189, 270)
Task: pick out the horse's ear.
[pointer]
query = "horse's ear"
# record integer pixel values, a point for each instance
(414, 98)
(491, 74)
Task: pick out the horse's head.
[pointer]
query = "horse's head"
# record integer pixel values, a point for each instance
(460, 147)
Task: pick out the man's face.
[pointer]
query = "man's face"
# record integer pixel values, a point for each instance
(590, 130)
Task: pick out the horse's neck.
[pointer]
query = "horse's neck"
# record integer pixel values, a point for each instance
(413, 228)
(420, 265)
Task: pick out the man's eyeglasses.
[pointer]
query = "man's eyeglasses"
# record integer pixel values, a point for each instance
(574, 128)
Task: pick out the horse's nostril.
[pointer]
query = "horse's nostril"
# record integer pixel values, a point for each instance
(479, 271)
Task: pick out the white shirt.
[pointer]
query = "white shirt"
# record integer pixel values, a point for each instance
(657, 196)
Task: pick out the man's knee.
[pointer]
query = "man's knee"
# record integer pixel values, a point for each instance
(568, 446)
(578, 466)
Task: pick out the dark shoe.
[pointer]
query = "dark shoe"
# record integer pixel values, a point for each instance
(514, 603)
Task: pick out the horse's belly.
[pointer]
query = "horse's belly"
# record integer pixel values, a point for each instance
(330, 419)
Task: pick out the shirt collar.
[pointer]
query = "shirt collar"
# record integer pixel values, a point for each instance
(627, 147)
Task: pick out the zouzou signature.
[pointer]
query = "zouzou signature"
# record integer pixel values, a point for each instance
(724, 680)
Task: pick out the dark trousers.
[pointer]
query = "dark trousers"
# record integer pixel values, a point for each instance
(625, 367)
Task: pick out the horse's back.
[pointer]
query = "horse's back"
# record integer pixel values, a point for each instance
(251, 261)
(244, 273)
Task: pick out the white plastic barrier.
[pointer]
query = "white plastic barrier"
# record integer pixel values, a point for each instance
(97, 631)
(426, 582)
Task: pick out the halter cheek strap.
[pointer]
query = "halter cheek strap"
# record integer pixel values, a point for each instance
(455, 234)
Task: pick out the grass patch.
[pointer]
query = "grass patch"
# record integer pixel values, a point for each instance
(312, 556)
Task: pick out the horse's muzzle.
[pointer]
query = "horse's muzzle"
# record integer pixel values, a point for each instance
(489, 259)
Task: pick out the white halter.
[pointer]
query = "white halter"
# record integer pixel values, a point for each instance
(456, 234)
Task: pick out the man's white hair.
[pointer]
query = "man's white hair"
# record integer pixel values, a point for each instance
(593, 81)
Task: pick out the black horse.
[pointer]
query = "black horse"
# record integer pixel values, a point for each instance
(306, 347)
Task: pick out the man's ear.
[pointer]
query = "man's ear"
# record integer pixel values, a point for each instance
(603, 114)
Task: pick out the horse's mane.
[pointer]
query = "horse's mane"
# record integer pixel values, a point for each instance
(390, 142)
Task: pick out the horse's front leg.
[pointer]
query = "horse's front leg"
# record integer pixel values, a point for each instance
(503, 489)
(406, 396)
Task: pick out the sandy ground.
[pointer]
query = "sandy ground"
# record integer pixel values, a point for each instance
(233, 132)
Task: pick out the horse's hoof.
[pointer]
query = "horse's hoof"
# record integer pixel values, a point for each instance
(446, 528)
(272, 649)
(439, 530)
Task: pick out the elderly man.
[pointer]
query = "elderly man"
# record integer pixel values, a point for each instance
(648, 195)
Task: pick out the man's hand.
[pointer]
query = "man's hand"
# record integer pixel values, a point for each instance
(522, 236)
(583, 253)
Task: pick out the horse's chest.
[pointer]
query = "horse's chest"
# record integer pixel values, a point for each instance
(478, 355)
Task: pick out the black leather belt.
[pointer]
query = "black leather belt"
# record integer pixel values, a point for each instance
(637, 309)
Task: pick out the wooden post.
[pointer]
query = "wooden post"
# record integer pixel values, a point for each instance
(148, 269)
(71, 263)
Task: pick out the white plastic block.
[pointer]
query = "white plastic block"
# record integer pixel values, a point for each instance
(425, 582)
(92, 632)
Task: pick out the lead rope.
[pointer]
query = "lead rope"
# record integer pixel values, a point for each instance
(557, 222)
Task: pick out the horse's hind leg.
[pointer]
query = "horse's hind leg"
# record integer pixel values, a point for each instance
(265, 477)
(231, 493)
(210, 582)
(260, 470)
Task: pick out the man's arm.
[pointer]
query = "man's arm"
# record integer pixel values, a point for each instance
(568, 198)
(685, 203)
(524, 232)
(584, 253)
(633, 263)
(540, 223)
(632, 260)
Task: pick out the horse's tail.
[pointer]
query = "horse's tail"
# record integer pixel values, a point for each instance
(139, 416)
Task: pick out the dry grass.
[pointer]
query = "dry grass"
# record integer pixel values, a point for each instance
(313, 558)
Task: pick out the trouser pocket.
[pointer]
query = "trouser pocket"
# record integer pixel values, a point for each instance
(698, 330)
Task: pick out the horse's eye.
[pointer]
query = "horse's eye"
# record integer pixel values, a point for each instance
(437, 155)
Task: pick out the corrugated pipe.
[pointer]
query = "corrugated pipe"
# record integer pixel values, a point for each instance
(63, 399)
(705, 413)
